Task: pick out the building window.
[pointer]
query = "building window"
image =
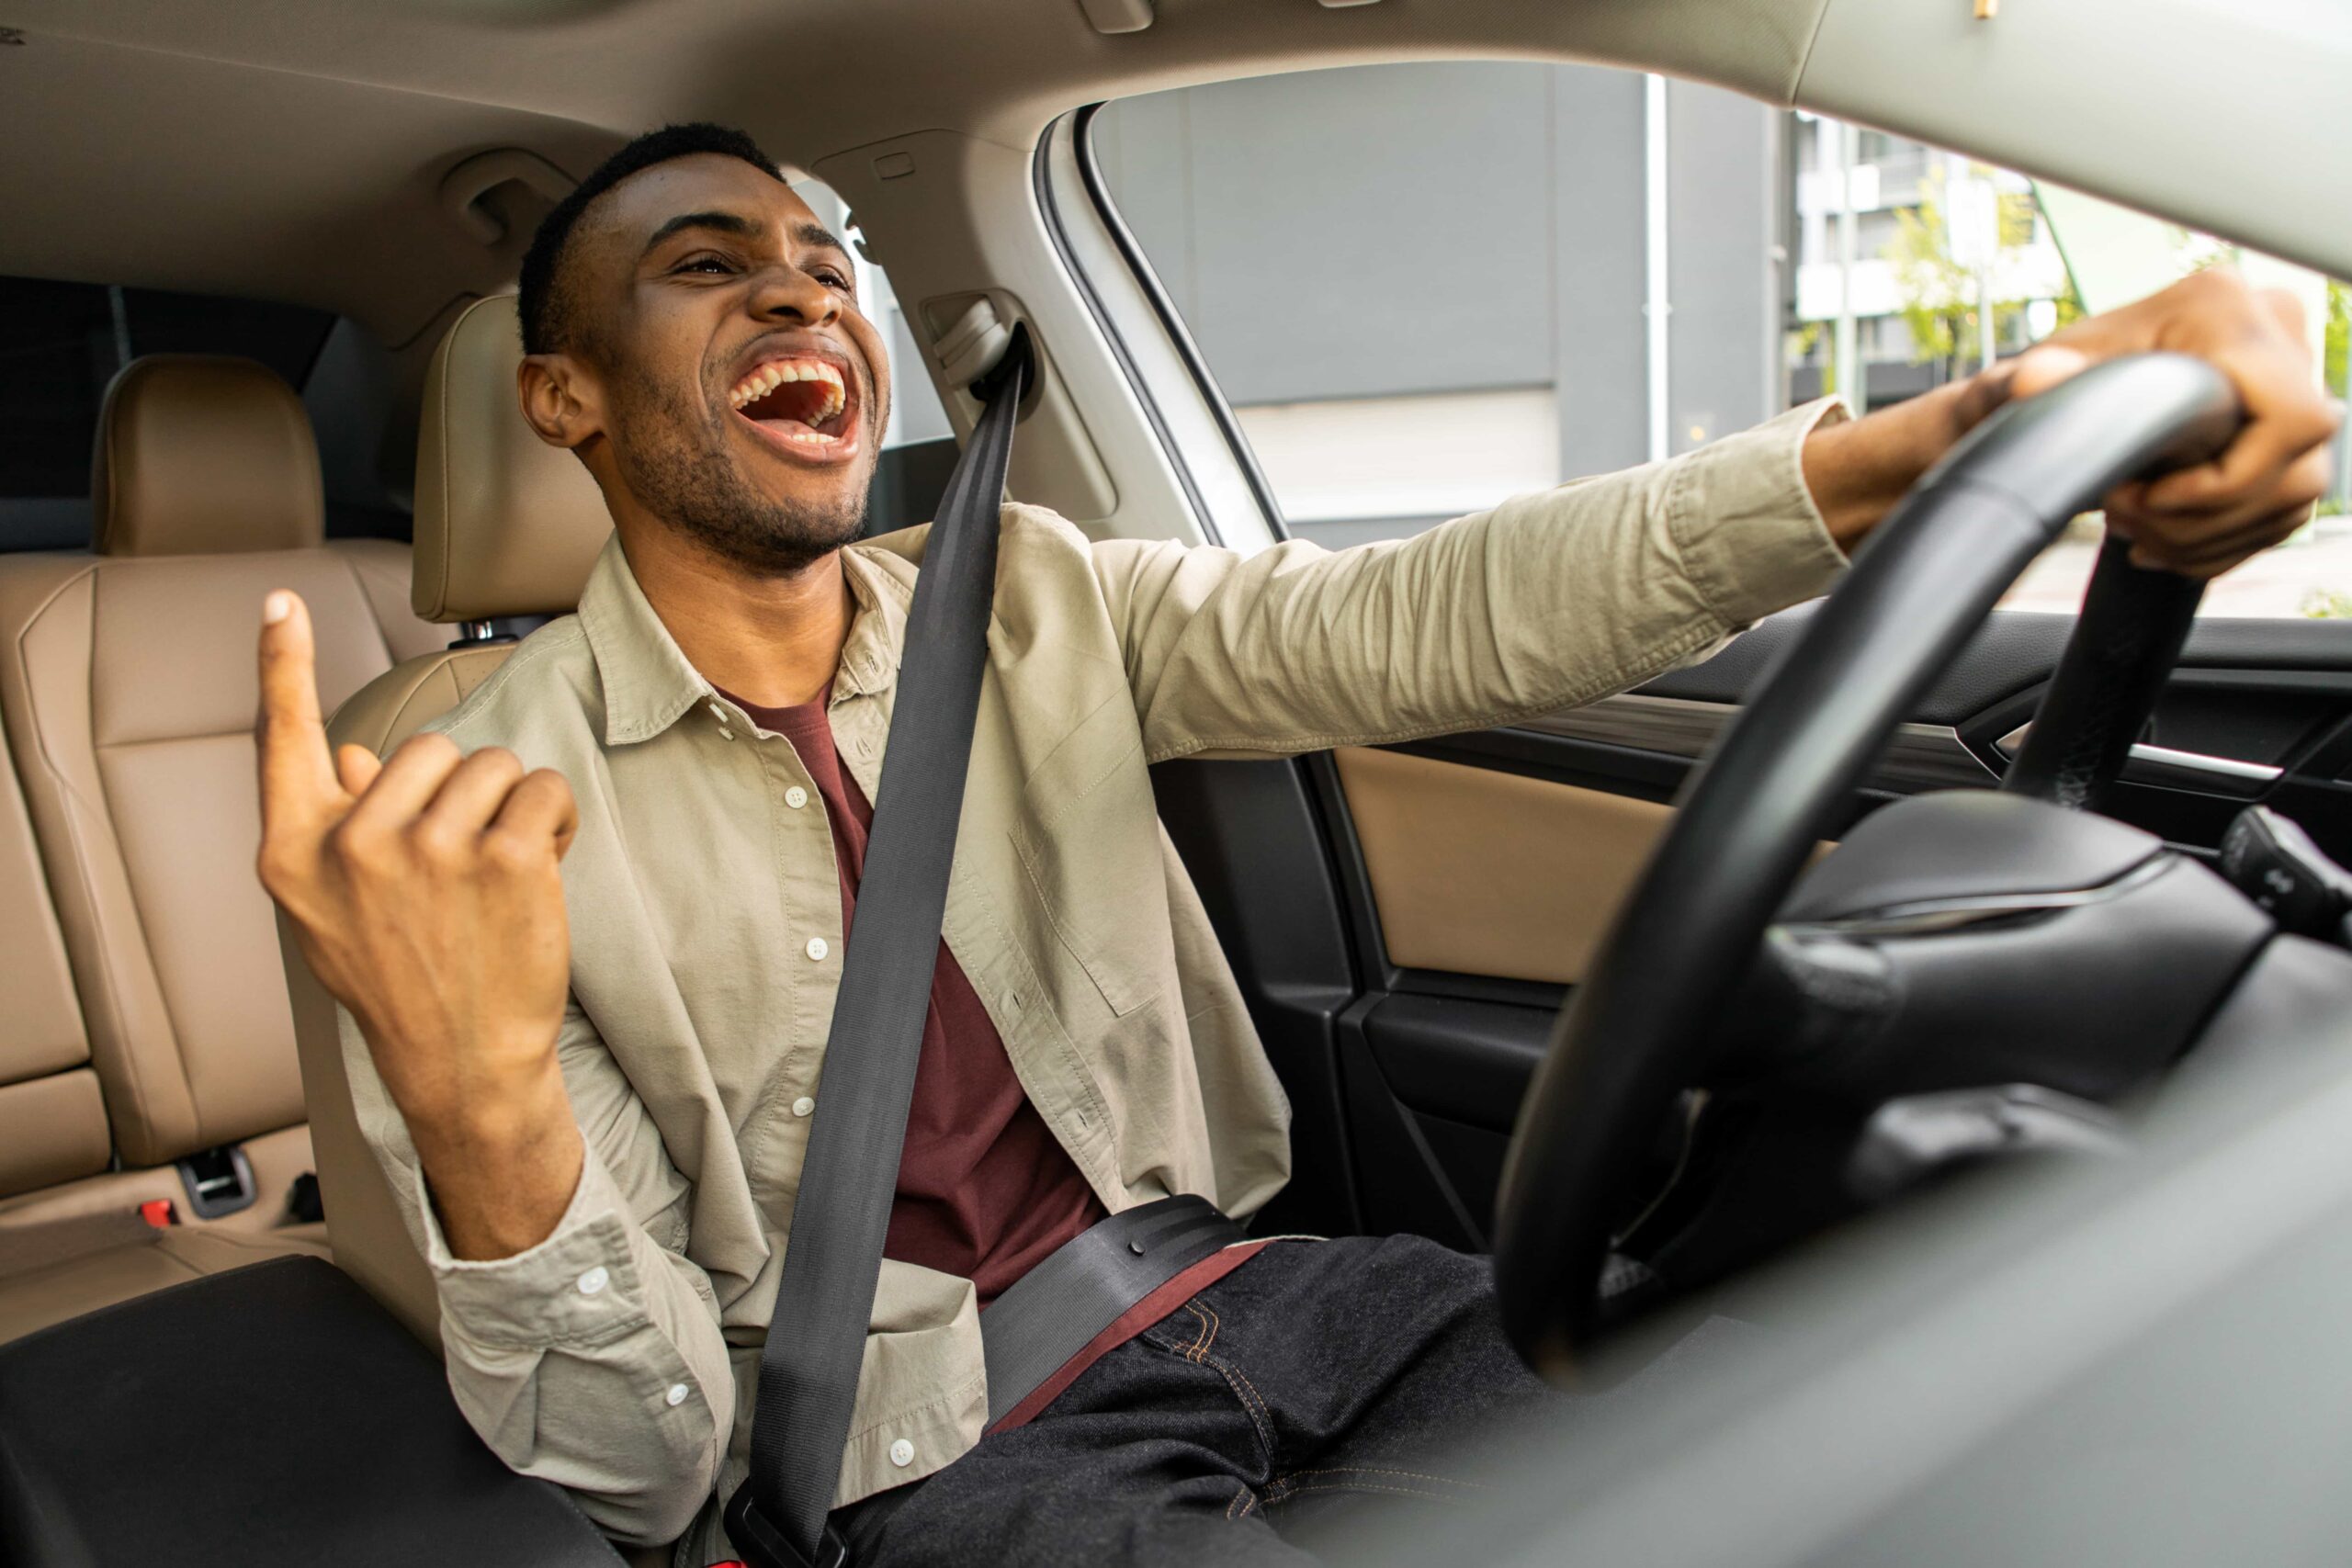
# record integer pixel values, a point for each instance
(1425, 288)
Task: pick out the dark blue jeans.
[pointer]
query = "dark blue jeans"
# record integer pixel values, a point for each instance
(1314, 1372)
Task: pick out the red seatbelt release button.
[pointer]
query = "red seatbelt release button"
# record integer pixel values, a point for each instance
(157, 1212)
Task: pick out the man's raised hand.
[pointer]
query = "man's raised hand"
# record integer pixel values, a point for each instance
(2200, 521)
(428, 896)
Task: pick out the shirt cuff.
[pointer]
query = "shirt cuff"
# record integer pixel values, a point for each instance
(1750, 537)
(580, 1284)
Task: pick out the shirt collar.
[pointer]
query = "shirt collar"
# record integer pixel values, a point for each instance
(649, 682)
(883, 583)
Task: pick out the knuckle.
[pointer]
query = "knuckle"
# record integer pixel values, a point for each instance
(494, 762)
(276, 866)
(552, 784)
(436, 841)
(508, 854)
(354, 844)
(427, 746)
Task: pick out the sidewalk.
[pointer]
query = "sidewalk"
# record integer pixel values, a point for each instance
(2275, 582)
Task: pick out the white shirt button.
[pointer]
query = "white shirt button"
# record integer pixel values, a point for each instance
(677, 1394)
(803, 1106)
(596, 1280)
(902, 1453)
(796, 797)
(818, 948)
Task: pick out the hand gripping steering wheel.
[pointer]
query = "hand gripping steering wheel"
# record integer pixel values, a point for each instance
(1640, 1028)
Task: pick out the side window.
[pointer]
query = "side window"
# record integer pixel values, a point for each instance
(1425, 288)
(1942, 243)
(61, 342)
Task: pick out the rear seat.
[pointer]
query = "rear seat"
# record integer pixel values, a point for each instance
(128, 692)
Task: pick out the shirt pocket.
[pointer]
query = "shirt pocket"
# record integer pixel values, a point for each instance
(1088, 835)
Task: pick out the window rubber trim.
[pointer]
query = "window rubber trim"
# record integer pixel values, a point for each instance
(1042, 182)
(1090, 172)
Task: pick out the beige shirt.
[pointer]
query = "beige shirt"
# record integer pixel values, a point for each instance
(618, 1357)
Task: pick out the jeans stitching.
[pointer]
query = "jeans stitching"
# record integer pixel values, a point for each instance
(1273, 1502)
(1238, 1373)
(1380, 1470)
(1189, 1351)
(1253, 1404)
(1214, 1322)
(1244, 1500)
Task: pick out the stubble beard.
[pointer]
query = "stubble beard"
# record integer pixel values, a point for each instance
(685, 478)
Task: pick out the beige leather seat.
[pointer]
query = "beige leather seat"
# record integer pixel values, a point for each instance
(505, 525)
(128, 691)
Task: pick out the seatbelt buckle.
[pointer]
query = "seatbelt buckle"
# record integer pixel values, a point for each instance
(763, 1546)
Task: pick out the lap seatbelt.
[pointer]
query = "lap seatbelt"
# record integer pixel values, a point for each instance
(824, 1297)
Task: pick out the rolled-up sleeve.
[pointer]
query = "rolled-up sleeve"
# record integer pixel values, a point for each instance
(594, 1358)
(1549, 600)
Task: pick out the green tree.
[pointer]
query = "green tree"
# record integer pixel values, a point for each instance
(2338, 345)
(1939, 295)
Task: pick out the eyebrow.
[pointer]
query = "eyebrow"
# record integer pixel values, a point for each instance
(815, 234)
(817, 237)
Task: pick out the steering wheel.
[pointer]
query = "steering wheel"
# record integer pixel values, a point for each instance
(1648, 1021)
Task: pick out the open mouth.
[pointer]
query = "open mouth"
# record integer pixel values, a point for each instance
(806, 405)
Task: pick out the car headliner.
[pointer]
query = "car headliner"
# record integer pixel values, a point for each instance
(294, 149)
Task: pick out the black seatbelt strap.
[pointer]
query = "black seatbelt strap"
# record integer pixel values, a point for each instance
(1049, 1314)
(824, 1296)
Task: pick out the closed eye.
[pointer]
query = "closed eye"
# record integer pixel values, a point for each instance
(705, 264)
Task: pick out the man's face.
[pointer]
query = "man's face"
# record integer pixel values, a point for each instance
(740, 390)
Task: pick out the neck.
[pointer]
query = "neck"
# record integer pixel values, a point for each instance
(774, 641)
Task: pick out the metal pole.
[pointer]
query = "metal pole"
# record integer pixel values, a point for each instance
(1846, 347)
(1984, 316)
(1655, 304)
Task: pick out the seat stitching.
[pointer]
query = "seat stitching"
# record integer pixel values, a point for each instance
(108, 748)
(367, 601)
(109, 977)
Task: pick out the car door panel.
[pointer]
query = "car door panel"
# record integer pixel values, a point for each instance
(1487, 872)
(1470, 877)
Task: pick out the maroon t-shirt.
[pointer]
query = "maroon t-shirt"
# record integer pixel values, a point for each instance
(985, 1190)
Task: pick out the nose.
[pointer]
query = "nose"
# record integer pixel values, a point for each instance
(787, 294)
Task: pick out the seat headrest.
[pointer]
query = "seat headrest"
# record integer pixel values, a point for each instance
(202, 454)
(505, 524)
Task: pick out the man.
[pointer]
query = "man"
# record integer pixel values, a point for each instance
(593, 1089)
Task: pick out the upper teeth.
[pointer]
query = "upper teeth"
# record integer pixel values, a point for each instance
(775, 373)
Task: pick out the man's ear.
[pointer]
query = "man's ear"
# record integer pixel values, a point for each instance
(560, 399)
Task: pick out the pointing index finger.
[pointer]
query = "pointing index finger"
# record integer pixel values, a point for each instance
(297, 772)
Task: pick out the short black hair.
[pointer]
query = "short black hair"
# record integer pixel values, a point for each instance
(545, 303)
